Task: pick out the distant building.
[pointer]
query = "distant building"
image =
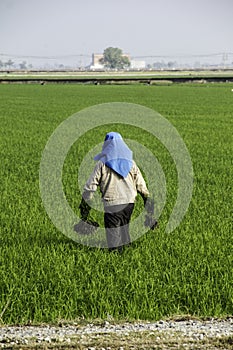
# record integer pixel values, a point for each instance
(137, 64)
(96, 64)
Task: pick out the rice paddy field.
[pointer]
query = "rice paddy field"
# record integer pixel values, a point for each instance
(46, 277)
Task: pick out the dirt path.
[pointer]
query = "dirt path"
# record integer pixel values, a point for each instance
(180, 334)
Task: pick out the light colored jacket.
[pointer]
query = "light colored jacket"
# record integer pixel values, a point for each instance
(115, 189)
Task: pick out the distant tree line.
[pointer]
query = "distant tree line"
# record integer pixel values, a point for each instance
(113, 58)
(11, 64)
(163, 65)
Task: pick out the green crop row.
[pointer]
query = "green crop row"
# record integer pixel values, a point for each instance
(45, 276)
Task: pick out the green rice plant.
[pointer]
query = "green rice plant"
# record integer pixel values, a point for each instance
(45, 276)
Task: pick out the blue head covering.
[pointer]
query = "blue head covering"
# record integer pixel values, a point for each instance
(116, 154)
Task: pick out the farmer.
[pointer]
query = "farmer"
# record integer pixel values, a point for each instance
(119, 179)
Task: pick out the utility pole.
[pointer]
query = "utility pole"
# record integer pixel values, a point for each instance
(224, 59)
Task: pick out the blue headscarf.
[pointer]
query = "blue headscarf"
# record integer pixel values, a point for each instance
(116, 154)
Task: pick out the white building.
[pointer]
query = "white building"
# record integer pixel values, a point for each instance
(134, 64)
(95, 64)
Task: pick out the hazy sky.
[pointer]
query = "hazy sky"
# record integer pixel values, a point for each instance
(138, 27)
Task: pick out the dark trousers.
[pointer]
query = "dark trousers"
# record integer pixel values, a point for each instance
(116, 221)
